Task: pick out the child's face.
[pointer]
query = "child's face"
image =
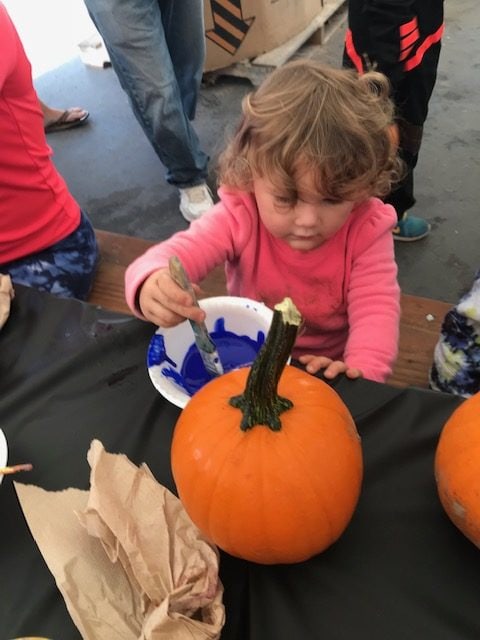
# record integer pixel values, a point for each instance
(304, 223)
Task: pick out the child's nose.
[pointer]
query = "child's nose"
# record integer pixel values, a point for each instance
(307, 215)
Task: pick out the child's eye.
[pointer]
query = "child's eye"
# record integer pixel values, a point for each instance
(283, 201)
(333, 201)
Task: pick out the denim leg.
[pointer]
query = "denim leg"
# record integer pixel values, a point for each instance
(188, 62)
(162, 97)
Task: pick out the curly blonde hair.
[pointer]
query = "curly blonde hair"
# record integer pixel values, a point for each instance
(307, 116)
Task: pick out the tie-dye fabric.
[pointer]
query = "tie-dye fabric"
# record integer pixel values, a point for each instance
(66, 269)
(456, 361)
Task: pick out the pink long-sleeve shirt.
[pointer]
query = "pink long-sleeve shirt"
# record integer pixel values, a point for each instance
(346, 289)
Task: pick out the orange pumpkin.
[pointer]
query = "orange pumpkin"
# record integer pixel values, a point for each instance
(267, 460)
(457, 468)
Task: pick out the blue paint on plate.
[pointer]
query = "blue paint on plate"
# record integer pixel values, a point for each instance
(156, 353)
(234, 350)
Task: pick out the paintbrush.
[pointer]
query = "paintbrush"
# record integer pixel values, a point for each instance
(205, 344)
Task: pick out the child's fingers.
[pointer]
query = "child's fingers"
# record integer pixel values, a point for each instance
(334, 369)
(166, 291)
(161, 317)
(169, 315)
(181, 302)
(165, 303)
(313, 364)
(353, 374)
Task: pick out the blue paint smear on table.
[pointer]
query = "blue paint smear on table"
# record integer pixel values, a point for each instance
(235, 351)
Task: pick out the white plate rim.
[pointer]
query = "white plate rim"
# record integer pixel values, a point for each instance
(3, 451)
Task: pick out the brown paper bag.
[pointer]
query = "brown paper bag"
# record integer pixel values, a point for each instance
(128, 561)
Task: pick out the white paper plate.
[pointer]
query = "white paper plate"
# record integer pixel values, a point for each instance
(3, 452)
(167, 349)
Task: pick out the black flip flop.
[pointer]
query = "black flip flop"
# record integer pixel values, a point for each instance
(63, 123)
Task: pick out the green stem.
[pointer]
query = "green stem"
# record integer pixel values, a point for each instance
(260, 402)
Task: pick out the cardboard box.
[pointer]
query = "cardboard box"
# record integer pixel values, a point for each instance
(236, 30)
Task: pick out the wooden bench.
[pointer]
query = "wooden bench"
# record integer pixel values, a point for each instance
(419, 327)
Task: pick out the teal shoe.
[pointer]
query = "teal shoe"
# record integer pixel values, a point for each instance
(411, 228)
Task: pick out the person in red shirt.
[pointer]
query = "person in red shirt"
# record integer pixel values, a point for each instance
(46, 241)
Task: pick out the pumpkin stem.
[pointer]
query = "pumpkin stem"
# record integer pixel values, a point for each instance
(260, 402)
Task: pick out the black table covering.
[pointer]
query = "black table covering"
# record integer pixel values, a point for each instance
(71, 372)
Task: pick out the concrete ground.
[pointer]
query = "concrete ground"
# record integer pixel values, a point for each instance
(115, 175)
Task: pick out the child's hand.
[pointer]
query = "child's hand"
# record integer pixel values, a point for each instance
(331, 367)
(166, 304)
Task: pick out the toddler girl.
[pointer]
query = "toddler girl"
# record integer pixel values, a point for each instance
(297, 217)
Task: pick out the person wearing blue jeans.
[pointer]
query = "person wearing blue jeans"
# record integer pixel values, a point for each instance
(157, 49)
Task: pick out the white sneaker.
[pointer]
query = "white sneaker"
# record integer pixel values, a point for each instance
(195, 201)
